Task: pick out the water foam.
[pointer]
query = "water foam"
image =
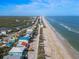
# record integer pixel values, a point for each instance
(69, 29)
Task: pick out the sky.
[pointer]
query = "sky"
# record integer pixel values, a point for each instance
(39, 7)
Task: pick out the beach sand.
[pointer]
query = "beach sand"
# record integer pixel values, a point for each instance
(55, 45)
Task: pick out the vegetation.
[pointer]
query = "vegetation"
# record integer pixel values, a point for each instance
(14, 21)
(4, 51)
(41, 52)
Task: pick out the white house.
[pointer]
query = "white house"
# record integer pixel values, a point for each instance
(3, 32)
(16, 51)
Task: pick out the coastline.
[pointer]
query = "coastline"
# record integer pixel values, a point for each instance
(69, 49)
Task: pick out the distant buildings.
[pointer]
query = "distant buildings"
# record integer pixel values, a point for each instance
(17, 20)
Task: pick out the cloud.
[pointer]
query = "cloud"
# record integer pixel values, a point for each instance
(45, 7)
(35, 8)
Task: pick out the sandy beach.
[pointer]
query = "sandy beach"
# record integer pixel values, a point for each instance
(55, 45)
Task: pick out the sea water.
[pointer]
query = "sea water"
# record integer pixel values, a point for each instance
(68, 27)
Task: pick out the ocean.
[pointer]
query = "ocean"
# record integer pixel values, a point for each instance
(68, 27)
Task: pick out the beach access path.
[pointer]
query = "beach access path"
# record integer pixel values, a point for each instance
(54, 49)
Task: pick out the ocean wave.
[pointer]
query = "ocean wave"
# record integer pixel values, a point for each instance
(69, 29)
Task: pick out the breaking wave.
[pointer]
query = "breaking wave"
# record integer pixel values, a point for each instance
(69, 29)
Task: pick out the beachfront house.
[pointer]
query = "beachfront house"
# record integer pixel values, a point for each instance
(23, 41)
(30, 32)
(3, 32)
(17, 53)
(9, 30)
(26, 39)
(1, 40)
(29, 29)
(9, 44)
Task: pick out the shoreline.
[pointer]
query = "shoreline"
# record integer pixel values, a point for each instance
(61, 37)
(71, 51)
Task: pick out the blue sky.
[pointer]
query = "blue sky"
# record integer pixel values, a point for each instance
(39, 7)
